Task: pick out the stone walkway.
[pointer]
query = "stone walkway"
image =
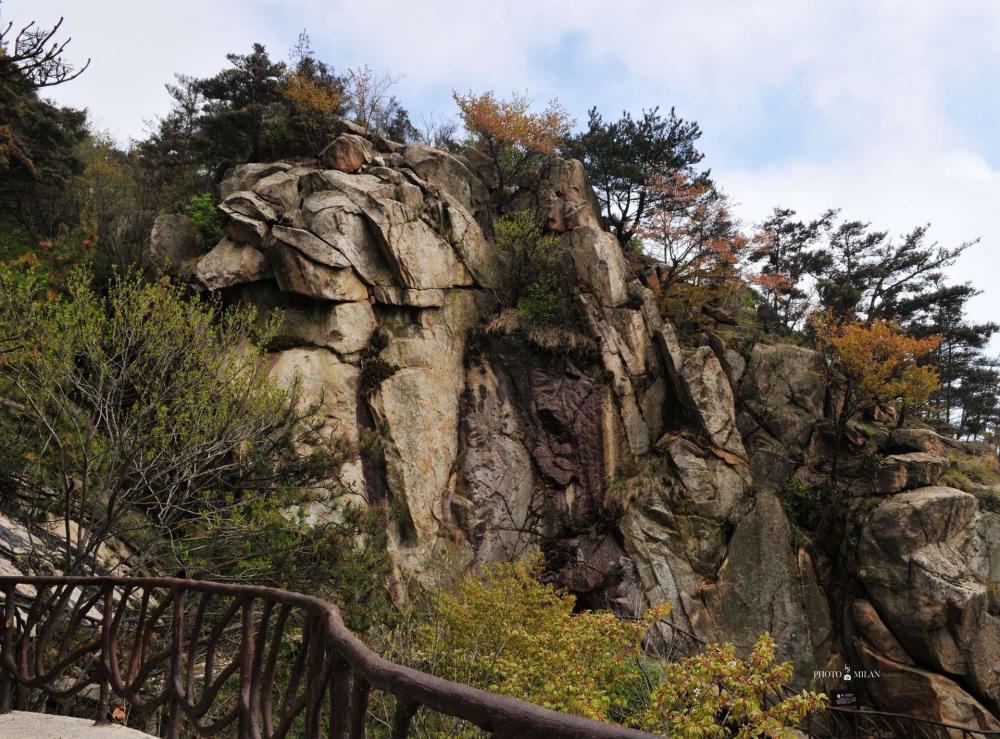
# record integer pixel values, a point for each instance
(23, 725)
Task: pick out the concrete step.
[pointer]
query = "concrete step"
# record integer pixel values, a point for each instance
(25, 725)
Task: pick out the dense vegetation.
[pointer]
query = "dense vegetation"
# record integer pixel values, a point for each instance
(142, 419)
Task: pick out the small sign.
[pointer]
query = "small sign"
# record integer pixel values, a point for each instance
(844, 698)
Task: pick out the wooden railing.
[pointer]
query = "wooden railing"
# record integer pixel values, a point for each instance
(191, 658)
(863, 723)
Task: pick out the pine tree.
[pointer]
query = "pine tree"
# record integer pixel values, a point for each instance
(624, 157)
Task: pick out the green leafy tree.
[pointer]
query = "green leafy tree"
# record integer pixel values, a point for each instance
(38, 139)
(870, 275)
(141, 417)
(233, 125)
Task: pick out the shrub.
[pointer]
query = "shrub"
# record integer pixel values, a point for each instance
(716, 694)
(512, 634)
(538, 281)
(202, 210)
(151, 419)
(374, 369)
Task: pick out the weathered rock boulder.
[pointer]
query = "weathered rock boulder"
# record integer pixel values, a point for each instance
(599, 263)
(448, 173)
(701, 383)
(782, 389)
(348, 153)
(916, 440)
(734, 588)
(230, 264)
(901, 686)
(912, 470)
(173, 243)
(244, 176)
(298, 274)
(926, 558)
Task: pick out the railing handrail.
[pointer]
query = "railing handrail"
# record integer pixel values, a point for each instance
(906, 717)
(499, 714)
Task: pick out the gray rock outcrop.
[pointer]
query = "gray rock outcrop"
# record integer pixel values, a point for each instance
(649, 466)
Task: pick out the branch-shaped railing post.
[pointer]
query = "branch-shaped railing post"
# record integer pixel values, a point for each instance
(247, 725)
(7, 645)
(104, 669)
(174, 687)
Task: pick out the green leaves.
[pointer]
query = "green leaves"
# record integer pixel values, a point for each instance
(537, 284)
(202, 210)
(150, 419)
(512, 634)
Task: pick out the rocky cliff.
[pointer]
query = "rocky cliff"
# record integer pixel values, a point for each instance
(647, 466)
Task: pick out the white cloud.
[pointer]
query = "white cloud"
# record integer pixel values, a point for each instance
(804, 103)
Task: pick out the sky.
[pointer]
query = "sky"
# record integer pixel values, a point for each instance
(885, 109)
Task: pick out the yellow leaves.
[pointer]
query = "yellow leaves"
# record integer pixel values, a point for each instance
(309, 97)
(509, 122)
(878, 360)
(696, 691)
(513, 634)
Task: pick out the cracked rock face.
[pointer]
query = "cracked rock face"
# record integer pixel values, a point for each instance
(645, 470)
(926, 558)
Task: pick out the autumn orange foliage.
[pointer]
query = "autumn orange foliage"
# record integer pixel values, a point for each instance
(692, 231)
(509, 133)
(876, 363)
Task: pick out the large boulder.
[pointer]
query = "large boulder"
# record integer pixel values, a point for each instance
(448, 173)
(479, 257)
(311, 246)
(231, 264)
(173, 243)
(249, 204)
(713, 487)
(769, 584)
(731, 588)
(298, 274)
(916, 440)
(927, 558)
(902, 686)
(244, 176)
(348, 153)
(565, 197)
(599, 264)
(340, 228)
(281, 190)
(355, 214)
(344, 328)
(912, 470)
(704, 388)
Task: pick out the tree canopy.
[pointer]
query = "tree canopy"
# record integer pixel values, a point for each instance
(625, 158)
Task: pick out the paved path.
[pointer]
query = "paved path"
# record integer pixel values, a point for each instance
(24, 725)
